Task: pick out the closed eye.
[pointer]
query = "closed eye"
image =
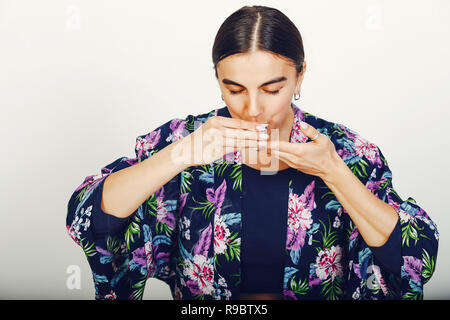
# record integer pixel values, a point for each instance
(269, 92)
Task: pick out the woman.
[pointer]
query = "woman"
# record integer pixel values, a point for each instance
(255, 200)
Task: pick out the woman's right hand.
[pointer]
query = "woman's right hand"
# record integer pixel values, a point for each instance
(217, 137)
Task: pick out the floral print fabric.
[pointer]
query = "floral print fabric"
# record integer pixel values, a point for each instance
(188, 233)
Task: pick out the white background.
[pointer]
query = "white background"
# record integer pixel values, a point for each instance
(80, 80)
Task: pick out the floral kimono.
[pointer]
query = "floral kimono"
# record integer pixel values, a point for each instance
(188, 233)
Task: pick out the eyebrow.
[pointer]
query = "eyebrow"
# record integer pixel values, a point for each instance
(279, 79)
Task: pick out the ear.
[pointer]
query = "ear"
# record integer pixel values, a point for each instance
(300, 78)
(301, 74)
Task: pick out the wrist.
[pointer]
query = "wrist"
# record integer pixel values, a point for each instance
(180, 153)
(335, 170)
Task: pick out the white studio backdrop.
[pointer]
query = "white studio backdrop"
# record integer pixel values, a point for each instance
(81, 79)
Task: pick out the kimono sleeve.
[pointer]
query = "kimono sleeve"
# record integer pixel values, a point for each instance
(124, 253)
(416, 232)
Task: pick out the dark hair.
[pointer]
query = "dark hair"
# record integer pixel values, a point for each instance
(262, 28)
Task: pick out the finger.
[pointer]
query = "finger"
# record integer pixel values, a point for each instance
(309, 130)
(237, 123)
(240, 143)
(243, 134)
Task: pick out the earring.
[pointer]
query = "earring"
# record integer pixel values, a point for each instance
(296, 97)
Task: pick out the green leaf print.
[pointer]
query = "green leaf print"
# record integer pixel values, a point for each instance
(186, 181)
(384, 184)
(221, 167)
(428, 266)
(233, 247)
(88, 249)
(152, 205)
(189, 124)
(132, 229)
(363, 164)
(359, 168)
(216, 263)
(112, 244)
(326, 194)
(412, 295)
(236, 176)
(409, 231)
(140, 286)
(300, 287)
(207, 207)
(338, 131)
(162, 228)
(80, 194)
(331, 289)
(328, 237)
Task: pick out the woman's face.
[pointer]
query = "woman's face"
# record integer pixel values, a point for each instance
(258, 87)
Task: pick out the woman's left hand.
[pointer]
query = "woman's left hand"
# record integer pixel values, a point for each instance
(318, 157)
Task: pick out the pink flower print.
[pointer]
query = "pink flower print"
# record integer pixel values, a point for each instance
(296, 134)
(111, 296)
(149, 259)
(221, 235)
(379, 277)
(328, 263)
(72, 234)
(364, 148)
(143, 145)
(298, 215)
(201, 273)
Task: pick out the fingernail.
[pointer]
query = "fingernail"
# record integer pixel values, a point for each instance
(264, 136)
(303, 125)
(262, 127)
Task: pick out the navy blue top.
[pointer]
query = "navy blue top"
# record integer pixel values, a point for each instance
(261, 255)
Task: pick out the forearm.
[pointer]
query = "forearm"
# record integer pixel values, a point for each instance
(125, 190)
(374, 218)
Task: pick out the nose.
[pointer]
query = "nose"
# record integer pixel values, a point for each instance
(254, 109)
